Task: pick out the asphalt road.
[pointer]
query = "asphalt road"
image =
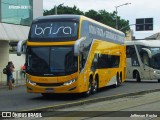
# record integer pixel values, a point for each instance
(19, 100)
(136, 107)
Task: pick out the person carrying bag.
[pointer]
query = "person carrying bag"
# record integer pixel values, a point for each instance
(10, 79)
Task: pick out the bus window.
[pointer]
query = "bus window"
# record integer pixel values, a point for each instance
(94, 62)
(83, 58)
(54, 31)
(131, 53)
(144, 57)
(108, 61)
(155, 61)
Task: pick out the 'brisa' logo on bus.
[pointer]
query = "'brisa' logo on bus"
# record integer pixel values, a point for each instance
(49, 30)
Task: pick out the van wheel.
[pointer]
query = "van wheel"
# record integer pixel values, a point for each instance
(137, 76)
(158, 80)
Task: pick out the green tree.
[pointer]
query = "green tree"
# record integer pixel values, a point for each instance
(100, 16)
(64, 10)
(108, 19)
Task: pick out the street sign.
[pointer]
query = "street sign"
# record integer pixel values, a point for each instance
(144, 24)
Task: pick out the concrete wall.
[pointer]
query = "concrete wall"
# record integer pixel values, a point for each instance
(129, 35)
(4, 54)
(10, 32)
(18, 61)
(38, 8)
(5, 57)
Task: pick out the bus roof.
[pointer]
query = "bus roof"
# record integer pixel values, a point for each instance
(75, 17)
(151, 43)
(51, 17)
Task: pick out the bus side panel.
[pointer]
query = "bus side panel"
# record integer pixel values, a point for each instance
(107, 74)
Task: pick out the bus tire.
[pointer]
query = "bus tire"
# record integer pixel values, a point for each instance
(118, 80)
(95, 85)
(88, 92)
(137, 76)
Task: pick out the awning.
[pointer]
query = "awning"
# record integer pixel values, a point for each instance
(10, 32)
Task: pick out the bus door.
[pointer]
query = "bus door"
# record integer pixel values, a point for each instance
(145, 58)
(132, 61)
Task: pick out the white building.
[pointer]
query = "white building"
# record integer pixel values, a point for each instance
(15, 18)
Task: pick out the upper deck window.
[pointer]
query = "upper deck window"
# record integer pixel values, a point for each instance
(54, 31)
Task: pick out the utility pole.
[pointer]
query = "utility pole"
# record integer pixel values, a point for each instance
(57, 7)
(117, 13)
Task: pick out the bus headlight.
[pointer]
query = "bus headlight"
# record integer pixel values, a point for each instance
(70, 82)
(156, 72)
(30, 82)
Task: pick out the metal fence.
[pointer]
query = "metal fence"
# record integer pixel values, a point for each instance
(18, 75)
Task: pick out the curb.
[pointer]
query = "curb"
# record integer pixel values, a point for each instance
(95, 100)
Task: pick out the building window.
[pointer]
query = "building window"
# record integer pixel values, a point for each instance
(17, 11)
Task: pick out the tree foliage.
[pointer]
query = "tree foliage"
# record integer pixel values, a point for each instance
(100, 16)
(64, 10)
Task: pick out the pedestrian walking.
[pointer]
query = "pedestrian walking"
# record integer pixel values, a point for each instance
(10, 68)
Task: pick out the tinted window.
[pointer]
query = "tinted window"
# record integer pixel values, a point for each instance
(105, 61)
(53, 61)
(54, 31)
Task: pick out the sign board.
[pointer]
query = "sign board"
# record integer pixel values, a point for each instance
(144, 24)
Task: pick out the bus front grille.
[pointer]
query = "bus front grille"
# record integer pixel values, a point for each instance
(50, 84)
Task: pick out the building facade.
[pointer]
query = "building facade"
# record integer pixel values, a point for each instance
(15, 19)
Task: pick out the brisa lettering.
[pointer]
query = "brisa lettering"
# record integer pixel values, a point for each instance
(41, 31)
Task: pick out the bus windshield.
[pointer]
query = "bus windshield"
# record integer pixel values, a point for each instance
(154, 60)
(54, 31)
(51, 61)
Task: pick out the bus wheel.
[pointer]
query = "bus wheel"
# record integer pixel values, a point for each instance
(119, 81)
(138, 79)
(88, 93)
(95, 86)
(159, 80)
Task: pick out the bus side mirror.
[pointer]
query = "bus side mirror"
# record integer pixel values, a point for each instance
(20, 46)
(78, 47)
(148, 52)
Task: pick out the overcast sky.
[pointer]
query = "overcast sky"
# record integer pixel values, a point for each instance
(137, 9)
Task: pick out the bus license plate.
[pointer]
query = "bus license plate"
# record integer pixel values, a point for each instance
(49, 90)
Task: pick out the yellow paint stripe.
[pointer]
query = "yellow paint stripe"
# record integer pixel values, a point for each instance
(49, 43)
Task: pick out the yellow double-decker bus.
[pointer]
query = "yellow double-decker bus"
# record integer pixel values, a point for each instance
(72, 54)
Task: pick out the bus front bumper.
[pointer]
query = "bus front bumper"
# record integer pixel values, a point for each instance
(71, 88)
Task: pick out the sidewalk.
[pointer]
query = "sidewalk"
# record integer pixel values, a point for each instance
(19, 82)
(17, 75)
